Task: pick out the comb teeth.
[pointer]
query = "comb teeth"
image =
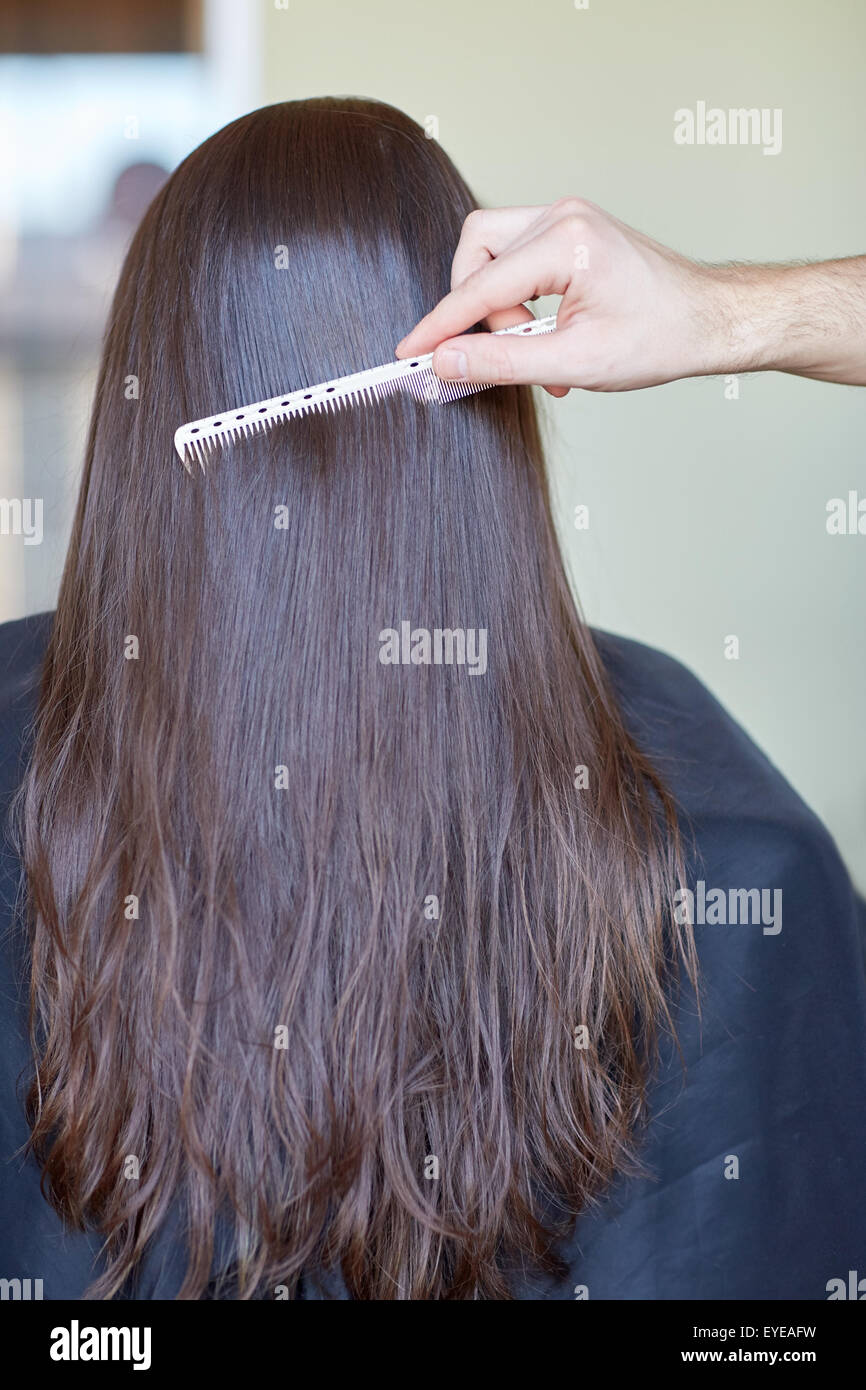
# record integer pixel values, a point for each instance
(197, 441)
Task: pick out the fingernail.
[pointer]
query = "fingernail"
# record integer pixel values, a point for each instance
(450, 363)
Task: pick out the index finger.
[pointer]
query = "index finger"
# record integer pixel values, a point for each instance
(487, 232)
(533, 268)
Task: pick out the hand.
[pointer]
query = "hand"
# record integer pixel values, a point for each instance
(633, 312)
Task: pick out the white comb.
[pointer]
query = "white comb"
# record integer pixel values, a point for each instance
(198, 439)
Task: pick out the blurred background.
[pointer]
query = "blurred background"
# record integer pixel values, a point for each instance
(707, 499)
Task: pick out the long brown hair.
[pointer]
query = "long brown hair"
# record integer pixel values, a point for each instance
(350, 955)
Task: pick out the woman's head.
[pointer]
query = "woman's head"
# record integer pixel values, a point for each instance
(310, 926)
(295, 245)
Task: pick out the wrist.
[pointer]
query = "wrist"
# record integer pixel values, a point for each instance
(742, 314)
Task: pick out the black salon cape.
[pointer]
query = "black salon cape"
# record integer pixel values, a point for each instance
(775, 1072)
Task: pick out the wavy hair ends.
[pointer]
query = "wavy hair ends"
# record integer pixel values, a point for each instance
(311, 933)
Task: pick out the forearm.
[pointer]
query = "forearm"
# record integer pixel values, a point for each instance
(632, 312)
(806, 319)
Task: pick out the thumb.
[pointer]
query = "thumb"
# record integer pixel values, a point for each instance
(502, 360)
